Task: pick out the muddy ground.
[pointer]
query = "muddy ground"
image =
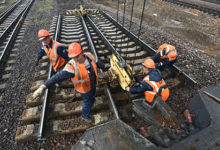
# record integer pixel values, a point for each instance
(192, 32)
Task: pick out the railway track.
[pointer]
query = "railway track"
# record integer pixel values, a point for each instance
(100, 34)
(212, 1)
(189, 4)
(12, 27)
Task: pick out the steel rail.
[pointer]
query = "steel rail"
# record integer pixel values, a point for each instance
(130, 34)
(212, 1)
(91, 45)
(122, 63)
(109, 45)
(195, 6)
(6, 13)
(107, 90)
(41, 135)
(14, 32)
(7, 9)
(7, 30)
(142, 43)
(212, 96)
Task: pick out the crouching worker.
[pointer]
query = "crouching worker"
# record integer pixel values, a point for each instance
(55, 51)
(166, 56)
(152, 84)
(82, 69)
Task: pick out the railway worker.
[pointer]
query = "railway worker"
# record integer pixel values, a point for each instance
(56, 52)
(82, 69)
(152, 84)
(166, 54)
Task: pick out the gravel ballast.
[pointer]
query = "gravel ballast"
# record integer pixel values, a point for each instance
(200, 66)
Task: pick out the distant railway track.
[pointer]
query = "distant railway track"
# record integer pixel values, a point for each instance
(206, 9)
(101, 35)
(213, 1)
(11, 33)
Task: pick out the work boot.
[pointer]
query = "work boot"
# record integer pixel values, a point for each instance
(88, 120)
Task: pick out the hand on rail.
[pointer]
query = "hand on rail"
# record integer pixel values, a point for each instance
(39, 92)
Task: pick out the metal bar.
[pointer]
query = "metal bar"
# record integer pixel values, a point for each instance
(123, 19)
(109, 45)
(141, 19)
(46, 93)
(116, 29)
(131, 23)
(112, 104)
(142, 43)
(117, 10)
(180, 71)
(124, 12)
(131, 15)
(212, 96)
(108, 93)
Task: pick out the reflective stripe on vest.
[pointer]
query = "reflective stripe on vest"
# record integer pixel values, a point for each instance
(154, 84)
(150, 95)
(56, 60)
(55, 52)
(91, 56)
(69, 70)
(168, 51)
(81, 80)
(77, 72)
(54, 44)
(168, 48)
(77, 69)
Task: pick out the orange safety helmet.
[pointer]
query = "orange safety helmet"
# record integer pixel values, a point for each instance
(149, 63)
(42, 34)
(172, 55)
(74, 50)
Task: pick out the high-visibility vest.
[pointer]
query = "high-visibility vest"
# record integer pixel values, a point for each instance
(150, 95)
(169, 48)
(56, 60)
(81, 80)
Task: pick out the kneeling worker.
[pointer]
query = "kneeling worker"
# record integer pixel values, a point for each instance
(56, 52)
(152, 83)
(166, 54)
(82, 69)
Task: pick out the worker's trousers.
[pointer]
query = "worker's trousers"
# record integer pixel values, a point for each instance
(88, 99)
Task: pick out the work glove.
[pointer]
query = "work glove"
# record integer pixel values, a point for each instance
(39, 92)
(100, 75)
(127, 89)
(160, 64)
(37, 62)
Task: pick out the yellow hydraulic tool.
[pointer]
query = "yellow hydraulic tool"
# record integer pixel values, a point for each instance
(81, 11)
(123, 74)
